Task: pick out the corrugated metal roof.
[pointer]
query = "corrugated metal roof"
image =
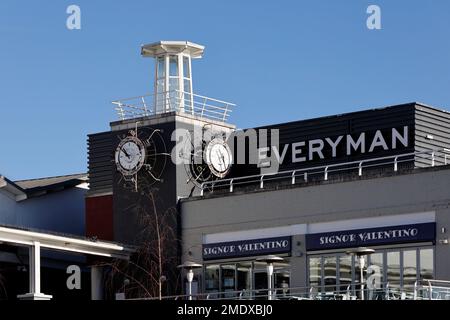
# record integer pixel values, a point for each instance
(51, 181)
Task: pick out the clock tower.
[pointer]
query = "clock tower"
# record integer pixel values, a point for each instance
(163, 146)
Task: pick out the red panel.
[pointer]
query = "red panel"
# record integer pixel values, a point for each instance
(99, 217)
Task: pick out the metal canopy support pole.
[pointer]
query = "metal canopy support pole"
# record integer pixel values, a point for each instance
(96, 283)
(269, 280)
(35, 268)
(35, 274)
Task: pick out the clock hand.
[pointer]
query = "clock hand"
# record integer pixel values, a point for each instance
(222, 164)
(223, 159)
(126, 153)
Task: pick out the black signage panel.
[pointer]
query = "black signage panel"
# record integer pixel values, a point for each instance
(372, 236)
(246, 248)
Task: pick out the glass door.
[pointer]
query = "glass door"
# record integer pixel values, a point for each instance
(244, 279)
(228, 280)
(260, 280)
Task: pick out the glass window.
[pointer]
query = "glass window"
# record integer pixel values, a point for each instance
(409, 268)
(228, 279)
(426, 264)
(187, 97)
(186, 69)
(244, 279)
(281, 279)
(375, 277)
(393, 269)
(161, 68)
(345, 272)
(187, 86)
(315, 272)
(174, 96)
(376, 267)
(329, 273)
(173, 66)
(212, 278)
(160, 96)
(260, 284)
(173, 84)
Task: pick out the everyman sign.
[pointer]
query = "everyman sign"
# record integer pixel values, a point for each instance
(246, 248)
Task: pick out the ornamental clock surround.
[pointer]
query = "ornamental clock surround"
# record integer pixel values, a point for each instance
(140, 157)
(130, 155)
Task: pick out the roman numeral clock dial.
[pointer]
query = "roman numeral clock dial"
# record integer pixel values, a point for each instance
(141, 158)
(218, 157)
(130, 156)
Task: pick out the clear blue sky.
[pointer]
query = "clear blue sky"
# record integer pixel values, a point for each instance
(278, 60)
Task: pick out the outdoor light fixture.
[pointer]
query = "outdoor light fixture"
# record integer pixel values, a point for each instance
(190, 266)
(269, 260)
(361, 253)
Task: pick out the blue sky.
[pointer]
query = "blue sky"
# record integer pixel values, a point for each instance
(278, 60)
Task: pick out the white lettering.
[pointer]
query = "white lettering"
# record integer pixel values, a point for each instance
(334, 144)
(315, 146)
(403, 139)
(296, 150)
(280, 159)
(378, 141)
(360, 143)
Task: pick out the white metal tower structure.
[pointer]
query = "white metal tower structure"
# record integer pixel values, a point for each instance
(173, 74)
(173, 90)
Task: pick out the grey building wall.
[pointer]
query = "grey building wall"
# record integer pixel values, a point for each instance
(420, 191)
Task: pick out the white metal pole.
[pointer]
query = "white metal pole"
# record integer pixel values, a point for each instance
(35, 267)
(361, 264)
(269, 280)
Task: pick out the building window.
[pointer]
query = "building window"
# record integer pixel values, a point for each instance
(329, 273)
(244, 279)
(315, 272)
(399, 268)
(393, 269)
(212, 277)
(426, 264)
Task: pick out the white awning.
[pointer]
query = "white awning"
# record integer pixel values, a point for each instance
(64, 243)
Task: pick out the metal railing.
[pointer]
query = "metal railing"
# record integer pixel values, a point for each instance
(429, 158)
(173, 101)
(420, 290)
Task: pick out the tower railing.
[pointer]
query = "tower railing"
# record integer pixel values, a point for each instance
(174, 101)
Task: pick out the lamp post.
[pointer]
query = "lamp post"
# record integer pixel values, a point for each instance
(190, 266)
(361, 253)
(269, 260)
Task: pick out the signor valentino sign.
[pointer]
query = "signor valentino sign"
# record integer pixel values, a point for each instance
(246, 248)
(373, 236)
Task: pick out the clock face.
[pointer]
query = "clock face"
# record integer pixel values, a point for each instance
(130, 155)
(218, 157)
